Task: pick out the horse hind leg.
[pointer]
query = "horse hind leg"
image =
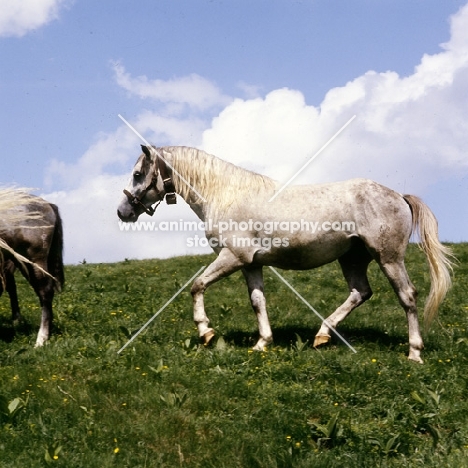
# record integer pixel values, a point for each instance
(407, 295)
(254, 279)
(354, 267)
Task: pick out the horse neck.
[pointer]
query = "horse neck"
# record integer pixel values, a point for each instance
(212, 186)
(187, 177)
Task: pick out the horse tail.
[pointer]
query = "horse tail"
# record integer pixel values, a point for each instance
(438, 256)
(55, 258)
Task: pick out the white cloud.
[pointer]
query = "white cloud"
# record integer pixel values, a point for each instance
(409, 131)
(161, 130)
(265, 135)
(192, 90)
(109, 149)
(18, 17)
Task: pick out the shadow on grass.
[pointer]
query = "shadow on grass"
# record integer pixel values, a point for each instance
(286, 337)
(8, 332)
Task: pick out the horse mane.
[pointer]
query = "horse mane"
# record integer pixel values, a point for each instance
(221, 183)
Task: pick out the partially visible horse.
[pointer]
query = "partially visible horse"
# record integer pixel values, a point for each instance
(375, 223)
(32, 228)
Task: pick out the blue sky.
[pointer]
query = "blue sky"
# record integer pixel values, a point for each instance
(245, 80)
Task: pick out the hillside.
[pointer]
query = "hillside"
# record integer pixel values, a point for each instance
(168, 401)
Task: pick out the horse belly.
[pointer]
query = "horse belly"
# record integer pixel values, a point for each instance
(302, 254)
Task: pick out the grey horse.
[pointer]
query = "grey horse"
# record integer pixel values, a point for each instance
(32, 228)
(249, 224)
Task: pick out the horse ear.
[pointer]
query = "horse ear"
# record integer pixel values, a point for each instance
(146, 150)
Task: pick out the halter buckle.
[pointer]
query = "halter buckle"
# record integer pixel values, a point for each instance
(171, 198)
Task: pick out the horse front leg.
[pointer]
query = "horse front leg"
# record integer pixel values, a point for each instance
(46, 323)
(225, 264)
(254, 279)
(44, 288)
(10, 286)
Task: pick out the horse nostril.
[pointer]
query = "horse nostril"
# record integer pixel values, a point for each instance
(121, 216)
(127, 217)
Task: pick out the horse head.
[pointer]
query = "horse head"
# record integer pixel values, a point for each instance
(150, 183)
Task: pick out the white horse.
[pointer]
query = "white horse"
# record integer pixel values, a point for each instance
(303, 227)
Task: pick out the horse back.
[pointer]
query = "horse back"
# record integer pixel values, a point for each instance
(40, 239)
(328, 221)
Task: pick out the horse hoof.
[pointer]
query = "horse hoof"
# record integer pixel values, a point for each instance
(41, 341)
(321, 340)
(208, 336)
(260, 347)
(416, 359)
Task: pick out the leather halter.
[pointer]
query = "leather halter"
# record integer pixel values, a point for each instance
(169, 189)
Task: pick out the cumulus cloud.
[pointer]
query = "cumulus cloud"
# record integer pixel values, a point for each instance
(17, 18)
(196, 92)
(408, 132)
(108, 150)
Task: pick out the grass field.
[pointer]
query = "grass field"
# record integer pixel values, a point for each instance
(167, 401)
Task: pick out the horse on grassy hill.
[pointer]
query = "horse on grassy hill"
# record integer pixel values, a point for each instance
(31, 230)
(250, 223)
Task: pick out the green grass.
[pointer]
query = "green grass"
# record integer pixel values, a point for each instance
(167, 401)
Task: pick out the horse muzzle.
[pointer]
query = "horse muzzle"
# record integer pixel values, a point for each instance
(129, 217)
(128, 212)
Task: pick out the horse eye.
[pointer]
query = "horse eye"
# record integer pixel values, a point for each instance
(137, 174)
